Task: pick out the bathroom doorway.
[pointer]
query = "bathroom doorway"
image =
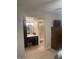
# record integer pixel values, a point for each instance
(41, 27)
(34, 33)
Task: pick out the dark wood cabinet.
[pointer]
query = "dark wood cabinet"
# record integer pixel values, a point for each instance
(33, 40)
(56, 37)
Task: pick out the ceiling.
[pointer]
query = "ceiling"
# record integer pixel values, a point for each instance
(50, 7)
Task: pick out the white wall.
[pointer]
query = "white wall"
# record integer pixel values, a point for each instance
(48, 24)
(20, 38)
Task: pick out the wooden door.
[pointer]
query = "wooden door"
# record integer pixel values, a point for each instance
(56, 37)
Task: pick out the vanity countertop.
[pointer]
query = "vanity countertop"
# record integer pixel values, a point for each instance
(31, 35)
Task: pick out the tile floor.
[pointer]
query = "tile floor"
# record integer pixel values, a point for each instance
(39, 52)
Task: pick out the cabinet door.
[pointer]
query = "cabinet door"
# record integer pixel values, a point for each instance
(56, 37)
(59, 40)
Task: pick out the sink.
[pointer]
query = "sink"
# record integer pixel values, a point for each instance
(31, 35)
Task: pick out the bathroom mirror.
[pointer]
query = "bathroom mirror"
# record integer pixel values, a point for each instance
(30, 28)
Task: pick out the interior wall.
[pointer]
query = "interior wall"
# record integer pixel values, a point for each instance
(48, 24)
(20, 37)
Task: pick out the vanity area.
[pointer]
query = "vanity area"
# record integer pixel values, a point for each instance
(31, 33)
(32, 39)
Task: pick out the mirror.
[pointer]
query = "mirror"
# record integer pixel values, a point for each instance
(30, 28)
